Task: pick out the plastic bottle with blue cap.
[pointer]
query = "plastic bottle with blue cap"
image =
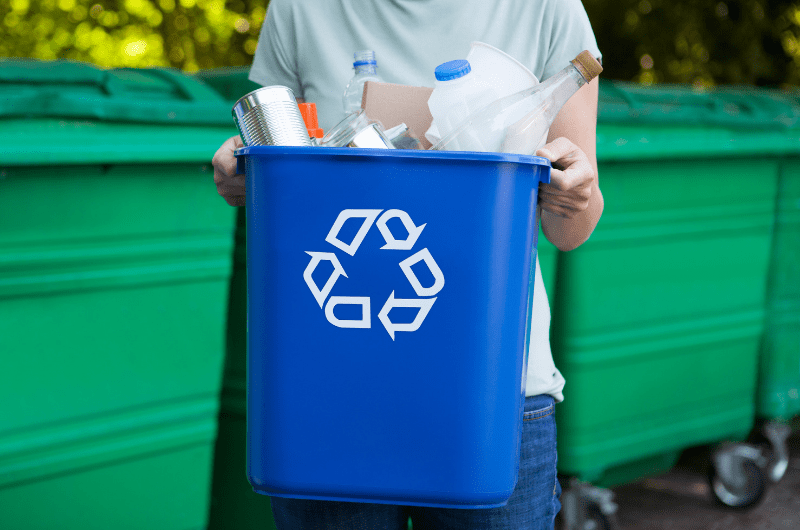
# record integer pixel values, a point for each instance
(457, 93)
(366, 68)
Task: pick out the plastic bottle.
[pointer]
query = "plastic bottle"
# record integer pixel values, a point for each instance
(366, 70)
(457, 93)
(518, 123)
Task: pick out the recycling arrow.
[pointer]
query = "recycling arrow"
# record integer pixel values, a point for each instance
(424, 305)
(351, 248)
(391, 242)
(316, 257)
(363, 301)
(436, 272)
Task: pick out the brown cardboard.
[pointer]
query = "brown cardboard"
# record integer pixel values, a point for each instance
(393, 104)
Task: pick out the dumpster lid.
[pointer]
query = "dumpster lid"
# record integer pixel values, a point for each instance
(736, 106)
(231, 83)
(68, 89)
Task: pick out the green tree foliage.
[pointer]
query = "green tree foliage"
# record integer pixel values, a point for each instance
(187, 34)
(702, 42)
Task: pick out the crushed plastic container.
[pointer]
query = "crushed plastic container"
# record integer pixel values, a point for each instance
(388, 296)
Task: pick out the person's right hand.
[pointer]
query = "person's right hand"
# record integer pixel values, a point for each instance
(229, 184)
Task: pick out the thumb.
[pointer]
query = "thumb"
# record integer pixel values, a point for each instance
(557, 149)
(545, 153)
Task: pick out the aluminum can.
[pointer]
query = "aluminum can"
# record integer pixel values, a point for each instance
(269, 116)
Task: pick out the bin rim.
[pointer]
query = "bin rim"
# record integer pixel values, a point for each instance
(396, 153)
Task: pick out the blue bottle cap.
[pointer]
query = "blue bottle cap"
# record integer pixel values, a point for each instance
(452, 70)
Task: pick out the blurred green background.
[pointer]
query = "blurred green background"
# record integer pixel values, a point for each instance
(700, 42)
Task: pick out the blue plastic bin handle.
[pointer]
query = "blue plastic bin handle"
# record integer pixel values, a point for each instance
(240, 162)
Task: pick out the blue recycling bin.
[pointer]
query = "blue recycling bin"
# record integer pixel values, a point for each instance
(389, 294)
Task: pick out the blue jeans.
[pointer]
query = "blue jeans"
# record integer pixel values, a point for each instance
(533, 504)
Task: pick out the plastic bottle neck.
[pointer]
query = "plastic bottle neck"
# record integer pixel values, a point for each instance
(558, 89)
(366, 68)
(570, 76)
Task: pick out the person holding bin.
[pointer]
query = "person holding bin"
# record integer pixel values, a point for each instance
(303, 45)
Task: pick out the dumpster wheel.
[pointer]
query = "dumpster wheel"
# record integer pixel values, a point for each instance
(597, 519)
(587, 507)
(737, 475)
(775, 433)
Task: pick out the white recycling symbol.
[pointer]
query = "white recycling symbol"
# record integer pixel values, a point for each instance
(426, 294)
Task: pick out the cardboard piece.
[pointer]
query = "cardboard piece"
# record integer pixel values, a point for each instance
(393, 104)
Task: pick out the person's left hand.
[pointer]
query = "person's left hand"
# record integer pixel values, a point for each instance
(571, 179)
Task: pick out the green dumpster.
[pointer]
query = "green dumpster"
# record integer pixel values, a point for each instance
(779, 377)
(777, 398)
(234, 504)
(115, 257)
(779, 382)
(658, 317)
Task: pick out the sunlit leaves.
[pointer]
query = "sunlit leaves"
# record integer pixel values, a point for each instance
(700, 42)
(188, 34)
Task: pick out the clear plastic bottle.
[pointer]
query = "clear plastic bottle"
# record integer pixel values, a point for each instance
(458, 92)
(518, 123)
(366, 68)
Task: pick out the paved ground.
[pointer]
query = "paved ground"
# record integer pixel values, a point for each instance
(681, 500)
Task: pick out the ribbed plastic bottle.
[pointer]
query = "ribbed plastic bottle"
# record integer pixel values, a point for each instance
(366, 68)
(457, 93)
(518, 123)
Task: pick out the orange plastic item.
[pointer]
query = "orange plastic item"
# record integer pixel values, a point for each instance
(309, 113)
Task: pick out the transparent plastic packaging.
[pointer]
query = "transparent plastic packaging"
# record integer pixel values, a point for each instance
(506, 74)
(366, 68)
(403, 138)
(519, 123)
(357, 130)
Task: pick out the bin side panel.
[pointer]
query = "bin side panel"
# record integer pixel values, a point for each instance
(50, 141)
(415, 407)
(113, 283)
(779, 377)
(233, 501)
(234, 504)
(659, 315)
(161, 490)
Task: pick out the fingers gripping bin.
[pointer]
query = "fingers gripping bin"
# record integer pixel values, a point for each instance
(388, 302)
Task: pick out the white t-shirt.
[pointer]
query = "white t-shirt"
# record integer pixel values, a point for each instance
(308, 46)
